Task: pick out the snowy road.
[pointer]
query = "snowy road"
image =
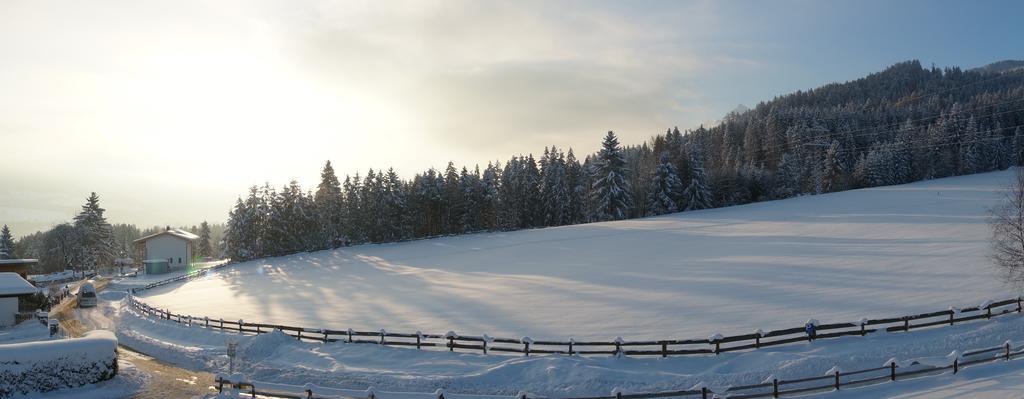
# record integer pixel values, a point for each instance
(163, 380)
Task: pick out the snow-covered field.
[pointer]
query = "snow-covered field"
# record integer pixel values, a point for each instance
(876, 252)
(279, 359)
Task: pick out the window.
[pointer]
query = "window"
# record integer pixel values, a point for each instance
(179, 260)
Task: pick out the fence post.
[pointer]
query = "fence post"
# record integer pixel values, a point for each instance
(257, 330)
(892, 370)
(526, 348)
(418, 336)
(988, 312)
(309, 394)
(837, 379)
(775, 387)
(664, 349)
(1018, 305)
(704, 392)
(325, 335)
(220, 385)
(906, 324)
(350, 335)
(956, 366)
(382, 336)
(571, 342)
(298, 336)
(951, 313)
(1007, 350)
(221, 323)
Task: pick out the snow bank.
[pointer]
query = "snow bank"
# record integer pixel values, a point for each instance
(50, 365)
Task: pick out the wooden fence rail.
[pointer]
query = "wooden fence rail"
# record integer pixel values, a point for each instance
(832, 380)
(663, 348)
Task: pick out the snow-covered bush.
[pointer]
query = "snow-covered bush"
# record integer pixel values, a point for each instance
(49, 365)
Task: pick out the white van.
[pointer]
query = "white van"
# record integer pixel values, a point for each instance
(86, 295)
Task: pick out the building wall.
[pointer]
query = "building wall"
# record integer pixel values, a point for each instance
(177, 250)
(8, 308)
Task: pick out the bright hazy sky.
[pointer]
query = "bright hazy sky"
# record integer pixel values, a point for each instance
(171, 109)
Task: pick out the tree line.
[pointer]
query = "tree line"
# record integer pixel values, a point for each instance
(904, 124)
(89, 242)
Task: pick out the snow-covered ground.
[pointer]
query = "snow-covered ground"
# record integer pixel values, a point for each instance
(877, 252)
(67, 275)
(26, 331)
(279, 359)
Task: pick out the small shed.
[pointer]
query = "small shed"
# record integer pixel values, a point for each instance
(12, 287)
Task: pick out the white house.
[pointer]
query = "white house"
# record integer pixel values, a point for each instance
(12, 286)
(175, 246)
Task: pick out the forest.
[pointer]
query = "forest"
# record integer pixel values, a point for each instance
(904, 124)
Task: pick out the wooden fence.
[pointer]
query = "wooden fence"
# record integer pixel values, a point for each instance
(664, 348)
(833, 379)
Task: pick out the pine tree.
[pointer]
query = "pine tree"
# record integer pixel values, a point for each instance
(489, 199)
(395, 207)
(329, 201)
(832, 170)
(612, 199)
(576, 183)
(205, 247)
(353, 231)
(7, 244)
(96, 241)
(697, 194)
(665, 189)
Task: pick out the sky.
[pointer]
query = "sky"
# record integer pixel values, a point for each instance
(169, 110)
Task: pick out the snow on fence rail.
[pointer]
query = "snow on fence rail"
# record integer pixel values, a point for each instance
(675, 347)
(831, 380)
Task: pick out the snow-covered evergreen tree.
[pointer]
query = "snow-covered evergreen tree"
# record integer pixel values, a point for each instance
(489, 199)
(396, 207)
(95, 238)
(576, 184)
(612, 199)
(554, 188)
(697, 194)
(665, 189)
(832, 170)
(7, 244)
(205, 247)
(329, 201)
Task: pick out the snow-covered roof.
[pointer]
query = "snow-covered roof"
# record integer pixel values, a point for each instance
(174, 232)
(11, 284)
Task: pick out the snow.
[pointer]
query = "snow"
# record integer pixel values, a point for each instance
(13, 284)
(93, 346)
(879, 252)
(60, 276)
(128, 381)
(987, 381)
(279, 360)
(28, 330)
